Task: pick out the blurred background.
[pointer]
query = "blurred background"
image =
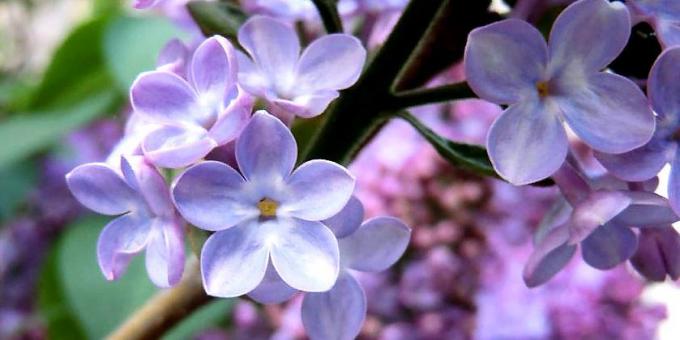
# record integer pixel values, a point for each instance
(65, 70)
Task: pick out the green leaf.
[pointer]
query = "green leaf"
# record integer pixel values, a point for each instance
(467, 156)
(219, 18)
(131, 46)
(77, 68)
(24, 135)
(208, 316)
(16, 182)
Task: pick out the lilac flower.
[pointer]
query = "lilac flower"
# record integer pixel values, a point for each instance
(599, 220)
(293, 84)
(138, 195)
(144, 4)
(266, 210)
(196, 115)
(508, 62)
(645, 162)
(658, 254)
(663, 15)
(372, 247)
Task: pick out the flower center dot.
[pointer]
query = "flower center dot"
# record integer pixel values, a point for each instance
(542, 88)
(267, 207)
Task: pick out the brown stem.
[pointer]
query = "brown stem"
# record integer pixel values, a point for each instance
(165, 309)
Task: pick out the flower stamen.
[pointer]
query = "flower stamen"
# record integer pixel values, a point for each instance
(267, 207)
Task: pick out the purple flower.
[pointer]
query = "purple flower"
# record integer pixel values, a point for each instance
(293, 84)
(372, 247)
(645, 162)
(196, 115)
(508, 62)
(144, 4)
(663, 15)
(138, 195)
(265, 211)
(599, 220)
(658, 254)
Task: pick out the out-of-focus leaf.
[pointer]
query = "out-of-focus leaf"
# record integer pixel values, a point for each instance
(16, 182)
(55, 310)
(217, 18)
(23, 135)
(98, 305)
(208, 316)
(131, 46)
(77, 68)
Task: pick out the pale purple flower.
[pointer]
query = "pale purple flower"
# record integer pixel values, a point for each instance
(296, 84)
(174, 57)
(663, 15)
(196, 115)
(600, 220)
(658, 254)
(372, 247)
(548, 85)
(645, 162)
(144, 4)
(146, 219)
(267, 211)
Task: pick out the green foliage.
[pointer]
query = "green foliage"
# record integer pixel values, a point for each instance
(78, 303)
(16, 182)
(23, 135)
(220, 18)
(131, 46)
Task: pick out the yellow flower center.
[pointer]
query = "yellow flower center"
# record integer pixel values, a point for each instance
(267, 207)
(542, 88)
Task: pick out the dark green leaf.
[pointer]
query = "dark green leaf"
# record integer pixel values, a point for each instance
(77, 68)
(468, 156)
(131, 46)
(16, 182)
(23, 135)
(219, 18)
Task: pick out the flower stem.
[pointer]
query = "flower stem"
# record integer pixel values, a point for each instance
(328, 10)
(165, 309)
(411, 98)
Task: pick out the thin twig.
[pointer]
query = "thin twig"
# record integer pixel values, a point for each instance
(328, 10)
(411, 98)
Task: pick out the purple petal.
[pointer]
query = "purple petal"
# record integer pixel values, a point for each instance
(646, 210)
(348, 219)
(305, 254)
(143, 4)
(589, 34)
(337, 314)
(319, 189)
(233, 120)
(309, 105)
(272, 289)
(673, 183)
(164, 97)
(572, 184)
(177, 147)
(165, 253)
(609, 113)
(527, 143)
(209, 195)
(119, 241)
(597, 210)
(149, 183)
(663, 84)
(608, 246)
(213, 67)
(549, 257)
(173, 57)
(266, 149)
(505, 60)
(101, 189)
(250, 77)
(332, 62)
(234, 261)
(274, 46)
(376, 245)
(638, 165)
(658, 254)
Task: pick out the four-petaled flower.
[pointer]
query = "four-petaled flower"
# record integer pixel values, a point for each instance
(196, 115)
(265, 211)
(600, 220)
(139, 196)
(508, 62)
(294, 84)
